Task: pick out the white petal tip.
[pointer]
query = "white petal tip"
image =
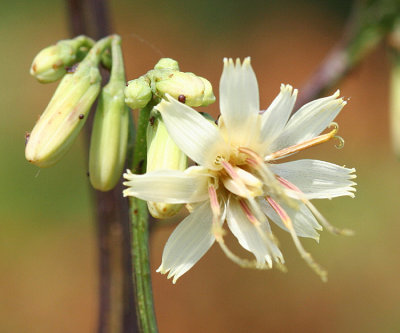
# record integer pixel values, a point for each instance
(247, 61)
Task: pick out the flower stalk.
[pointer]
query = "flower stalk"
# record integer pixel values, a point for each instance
(140, 234)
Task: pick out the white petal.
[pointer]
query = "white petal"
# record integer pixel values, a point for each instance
(190, 240)
(276, 116)
(239, 101)
(303, 220)
(192, 133)
(170, 186)
(247, 234)
(309, 121)
(317, 179)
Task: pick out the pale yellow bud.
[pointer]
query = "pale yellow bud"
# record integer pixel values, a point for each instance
(51, 63)
(67, 111)
(167, 63)
(162, 153)
(208, 96)
(185, 87)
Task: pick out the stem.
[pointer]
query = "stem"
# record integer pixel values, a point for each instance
(116, 307)
(361, 35)
(140, 234)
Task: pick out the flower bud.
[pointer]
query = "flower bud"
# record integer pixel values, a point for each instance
(67, 111)
(138, 93)
(167, 63)
(208, 96)
(162, 153)
(109, 138)
(186, 87)
(50, 64)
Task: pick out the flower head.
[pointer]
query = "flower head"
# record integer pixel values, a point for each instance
(239, 178)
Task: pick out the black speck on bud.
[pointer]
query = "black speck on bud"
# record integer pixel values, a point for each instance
(81, 116)
(72, 69)
(182, 99)
(27, 135)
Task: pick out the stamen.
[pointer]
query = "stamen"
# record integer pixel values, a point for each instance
(230, 170)
(216, 209)
(248, 213)
(236, 185)
(301, 196)
(245, 263)
(266, 174)
(305, 144)
(267, 237)
(304, 254)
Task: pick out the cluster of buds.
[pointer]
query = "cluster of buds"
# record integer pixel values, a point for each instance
(76, 63)
(166, 78)
(65, 115)
(162, 152)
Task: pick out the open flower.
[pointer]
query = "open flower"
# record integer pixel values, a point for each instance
(238, 178)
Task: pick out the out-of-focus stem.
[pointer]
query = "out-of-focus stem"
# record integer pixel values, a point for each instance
(395, 104)
(117, 312)
(362, 33)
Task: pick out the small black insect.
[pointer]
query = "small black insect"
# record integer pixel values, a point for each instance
(81, 116)
(151, 121)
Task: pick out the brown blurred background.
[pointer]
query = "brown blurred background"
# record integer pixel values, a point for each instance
(48, 262)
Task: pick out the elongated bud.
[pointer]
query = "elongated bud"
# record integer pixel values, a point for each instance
(186, 87)
(162, 153)
(110, 128)
(51, 63)
(138, 93)
(67, 111)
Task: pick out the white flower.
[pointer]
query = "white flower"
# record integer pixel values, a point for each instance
(238, 177)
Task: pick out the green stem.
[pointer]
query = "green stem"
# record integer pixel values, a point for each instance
(140, 234)
(94, 55)
(117, 69)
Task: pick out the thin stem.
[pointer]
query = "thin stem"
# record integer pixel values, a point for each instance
(140, 234)
(116, 306)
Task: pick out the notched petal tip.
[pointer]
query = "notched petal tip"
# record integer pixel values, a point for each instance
(247, 61)
(126, 192)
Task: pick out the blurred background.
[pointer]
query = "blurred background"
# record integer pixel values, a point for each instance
(48, 254)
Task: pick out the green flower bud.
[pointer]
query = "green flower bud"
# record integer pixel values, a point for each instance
(109, 139)
(208, 96)
(162, 153)
(50, 63)
(167, 63)
(67, 111)
(186, 87)
(138, 93)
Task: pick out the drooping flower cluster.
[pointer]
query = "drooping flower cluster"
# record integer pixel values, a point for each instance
(240, 178)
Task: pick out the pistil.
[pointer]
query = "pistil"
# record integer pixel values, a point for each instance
(307, 144)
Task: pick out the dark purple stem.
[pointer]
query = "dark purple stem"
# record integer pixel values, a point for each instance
(117, 312)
